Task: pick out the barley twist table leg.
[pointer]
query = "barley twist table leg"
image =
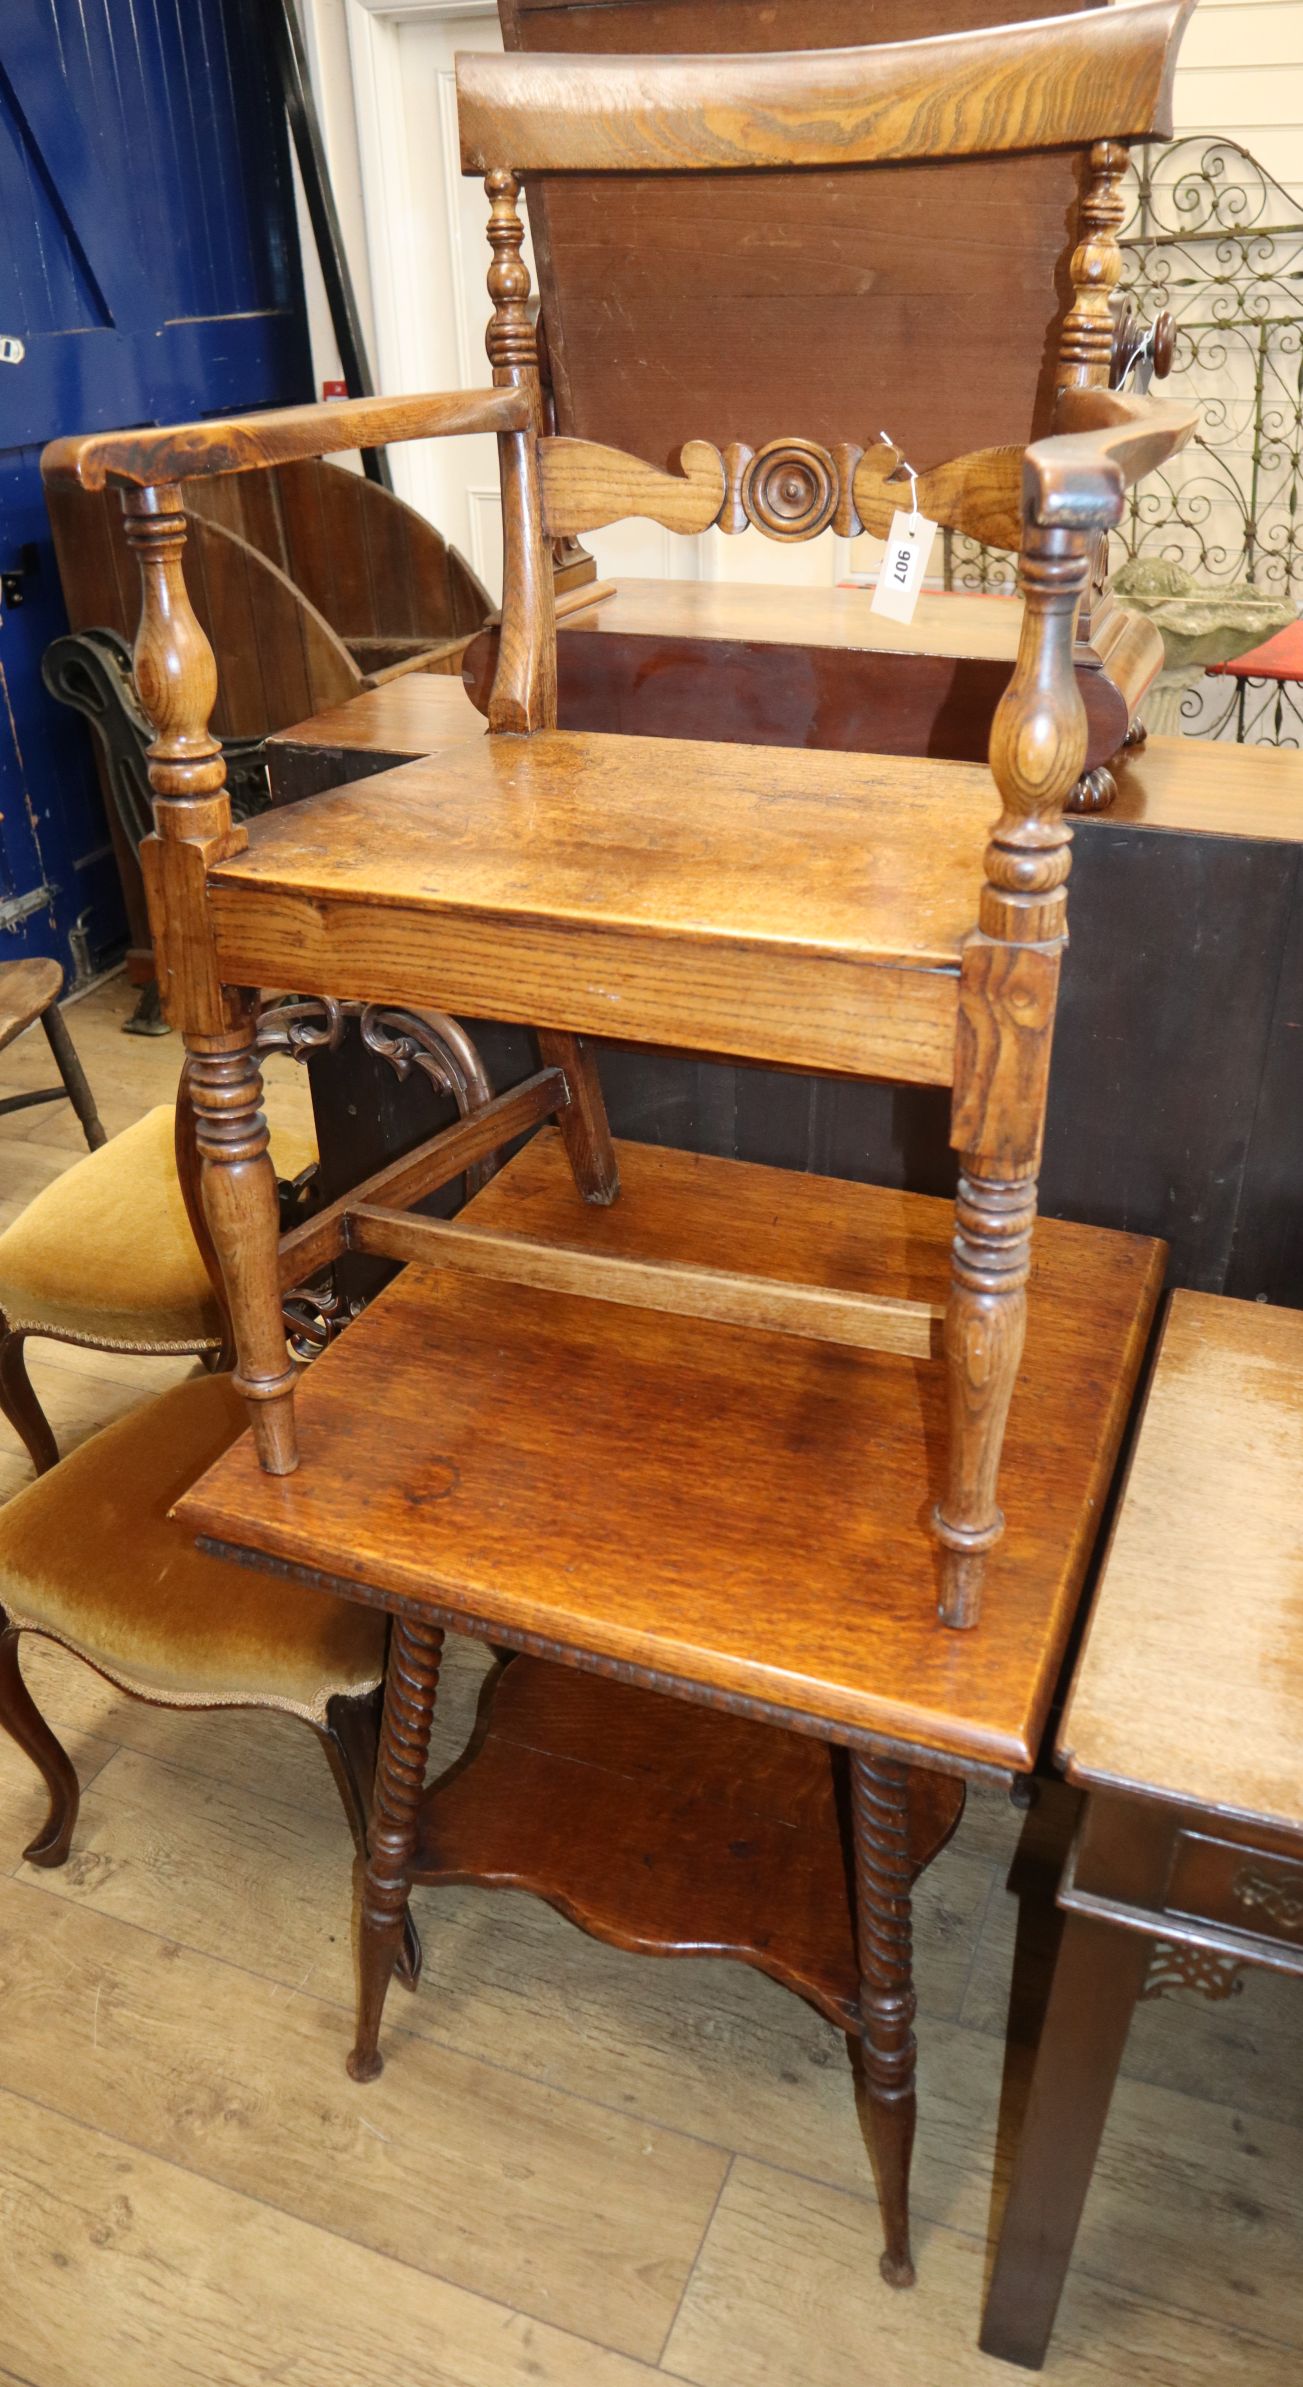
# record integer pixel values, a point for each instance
(883, 1882)
(411, 1684)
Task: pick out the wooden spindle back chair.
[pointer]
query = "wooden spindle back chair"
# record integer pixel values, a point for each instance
(523, 930)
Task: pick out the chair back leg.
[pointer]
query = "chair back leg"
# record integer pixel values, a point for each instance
(73, 1075)
(585, 1131)
(23, 1721)
(20, 1405)
(350, 1737)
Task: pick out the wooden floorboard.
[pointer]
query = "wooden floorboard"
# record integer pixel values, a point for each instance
(578, 2166)
(787, 2288)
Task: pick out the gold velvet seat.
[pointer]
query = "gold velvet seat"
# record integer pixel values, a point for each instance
(106, 1256)
(90, 1558)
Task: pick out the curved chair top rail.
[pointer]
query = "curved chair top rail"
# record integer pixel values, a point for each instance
(1057, 82)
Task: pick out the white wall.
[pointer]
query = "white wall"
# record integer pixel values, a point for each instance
(1241, 73)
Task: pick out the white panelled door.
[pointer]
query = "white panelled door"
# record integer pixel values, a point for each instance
(427, 258)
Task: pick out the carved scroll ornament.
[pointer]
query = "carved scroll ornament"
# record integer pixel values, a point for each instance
(787, 489)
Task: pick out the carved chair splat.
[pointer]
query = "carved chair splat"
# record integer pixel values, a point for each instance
(833, 913)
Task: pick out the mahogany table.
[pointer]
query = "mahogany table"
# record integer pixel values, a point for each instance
(1185, 1727)
(816, 667)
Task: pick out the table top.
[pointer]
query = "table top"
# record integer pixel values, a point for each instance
(1190, 1685)
(1192, 784)
(946, 621)
(739, 1514)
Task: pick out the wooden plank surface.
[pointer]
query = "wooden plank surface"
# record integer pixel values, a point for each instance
(740, 1510)
(1186, 915)
(945, 623)
(594, 831)
(803, 908)
(1191, 1683)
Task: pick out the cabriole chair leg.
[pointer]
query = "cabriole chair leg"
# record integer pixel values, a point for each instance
(23, 1721)
(20, 1405)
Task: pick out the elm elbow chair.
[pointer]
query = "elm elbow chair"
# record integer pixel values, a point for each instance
(730, 1437)
(975, 1012)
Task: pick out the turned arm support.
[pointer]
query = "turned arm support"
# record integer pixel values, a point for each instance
(1074, 488)
(250, 442)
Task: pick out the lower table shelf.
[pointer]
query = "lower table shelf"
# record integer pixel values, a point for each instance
(668, 1829)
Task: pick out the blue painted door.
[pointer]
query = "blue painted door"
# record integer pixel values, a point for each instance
(149, 272)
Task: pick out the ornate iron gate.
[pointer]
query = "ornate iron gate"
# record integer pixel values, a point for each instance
(1215, 240)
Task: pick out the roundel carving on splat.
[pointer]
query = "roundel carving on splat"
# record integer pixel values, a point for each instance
(789, 489)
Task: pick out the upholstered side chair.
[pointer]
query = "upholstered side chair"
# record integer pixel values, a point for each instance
(90, 1558)
(113, 1257)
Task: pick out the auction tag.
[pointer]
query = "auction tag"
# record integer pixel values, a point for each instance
(909, 551)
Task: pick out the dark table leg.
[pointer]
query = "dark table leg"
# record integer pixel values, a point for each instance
(1099, 1974)
(884, 1927)
(411, 1683)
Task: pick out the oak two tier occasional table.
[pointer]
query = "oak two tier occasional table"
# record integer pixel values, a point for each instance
(1185, 1727)
(736, 1726)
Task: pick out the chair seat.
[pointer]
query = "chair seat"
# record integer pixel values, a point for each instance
(105, 1254)
(27, 988)
(738, 1512)
(793, 906)
(89, 1555)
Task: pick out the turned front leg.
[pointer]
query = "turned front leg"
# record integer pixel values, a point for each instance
(411, 1686)
(176, 681)
(1008, 989)
(986, 1321)
(883, 1921)
(240, 1203)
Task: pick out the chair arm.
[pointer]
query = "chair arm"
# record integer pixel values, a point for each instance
(248, 442)
(1078, 479)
